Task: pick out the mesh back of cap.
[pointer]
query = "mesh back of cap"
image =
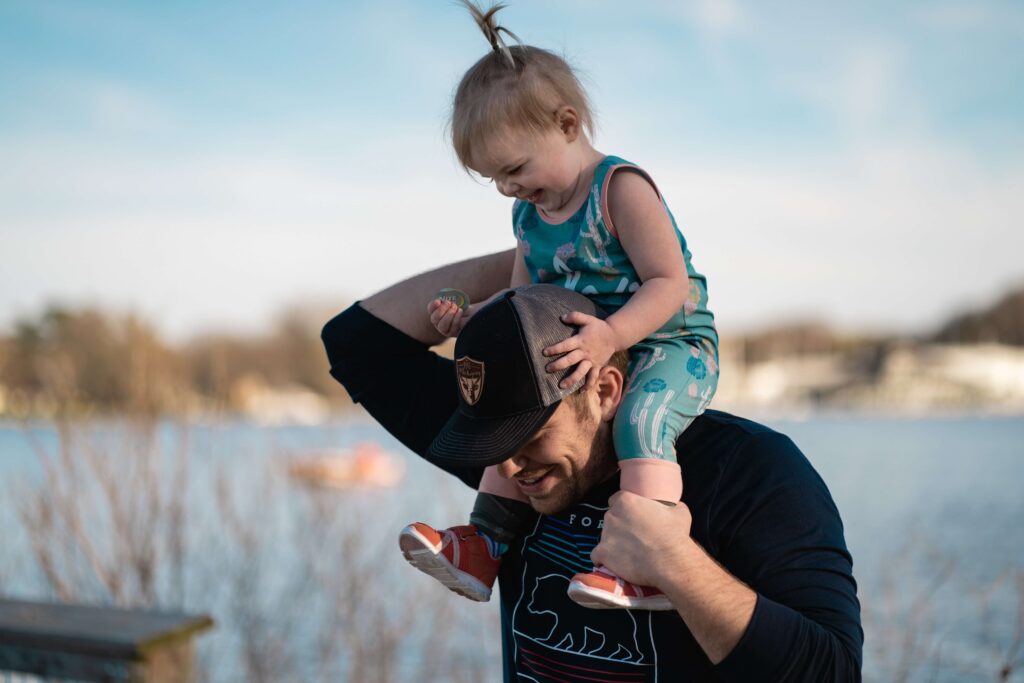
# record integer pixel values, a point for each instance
(540, 308)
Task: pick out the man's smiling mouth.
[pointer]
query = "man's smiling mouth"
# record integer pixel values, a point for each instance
(533, 480)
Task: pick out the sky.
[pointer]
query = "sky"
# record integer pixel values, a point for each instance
(204, 164)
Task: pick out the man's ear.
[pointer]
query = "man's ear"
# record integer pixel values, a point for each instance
(609, 391)
(568, 121)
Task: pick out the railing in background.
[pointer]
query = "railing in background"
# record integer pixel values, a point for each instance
(86, 643)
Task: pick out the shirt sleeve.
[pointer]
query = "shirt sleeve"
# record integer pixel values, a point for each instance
(405, 386)
(781, 534)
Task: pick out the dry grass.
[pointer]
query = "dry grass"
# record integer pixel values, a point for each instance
(302, 584)
(909, 638)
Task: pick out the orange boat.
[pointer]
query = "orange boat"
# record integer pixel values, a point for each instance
(366, 464)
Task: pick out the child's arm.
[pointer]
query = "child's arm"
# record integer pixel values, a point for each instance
(647, 236)
(520, 276)
(449, 319)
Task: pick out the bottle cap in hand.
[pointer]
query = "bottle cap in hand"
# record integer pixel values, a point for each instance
(456, 296)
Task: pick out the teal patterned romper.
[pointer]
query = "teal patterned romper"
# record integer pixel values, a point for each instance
(674, 372)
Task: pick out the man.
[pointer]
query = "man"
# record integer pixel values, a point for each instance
(753, 559)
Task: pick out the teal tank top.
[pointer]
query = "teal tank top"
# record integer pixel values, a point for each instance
(583, 255)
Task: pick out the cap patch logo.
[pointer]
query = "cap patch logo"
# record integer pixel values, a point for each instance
(471, 378)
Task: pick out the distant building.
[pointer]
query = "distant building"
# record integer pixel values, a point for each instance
(276, 405)
(906, 378)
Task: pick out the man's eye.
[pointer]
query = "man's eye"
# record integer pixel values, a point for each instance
(515, 170)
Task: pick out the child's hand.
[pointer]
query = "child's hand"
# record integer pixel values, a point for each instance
(591, 347)
(448, 318)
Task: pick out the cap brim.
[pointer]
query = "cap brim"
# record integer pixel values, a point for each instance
(467, 441)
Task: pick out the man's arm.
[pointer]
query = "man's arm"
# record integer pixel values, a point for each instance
(449, 319)
(715, 605)
(786, 607)
(378, 350)
(776, 528)
(404, 305)
(649, 544)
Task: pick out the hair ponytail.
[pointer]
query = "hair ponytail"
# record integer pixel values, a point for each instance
(487, 23)
(517, 86)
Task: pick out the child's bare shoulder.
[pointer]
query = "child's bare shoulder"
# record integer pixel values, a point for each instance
(632, 198)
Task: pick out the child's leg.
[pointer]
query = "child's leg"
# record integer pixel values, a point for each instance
(669, 383)
(466, 558)
(500, 512)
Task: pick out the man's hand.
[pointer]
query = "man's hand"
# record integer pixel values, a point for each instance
(591, 347)
(643, 540)
(648, 543)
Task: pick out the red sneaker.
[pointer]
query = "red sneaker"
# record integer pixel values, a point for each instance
(457, 557)
(601, 589)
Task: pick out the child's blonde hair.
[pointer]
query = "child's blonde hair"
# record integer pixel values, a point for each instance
(518, 87)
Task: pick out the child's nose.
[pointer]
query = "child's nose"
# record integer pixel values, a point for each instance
(506, 188)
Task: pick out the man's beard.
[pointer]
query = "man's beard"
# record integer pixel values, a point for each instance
(601, 464)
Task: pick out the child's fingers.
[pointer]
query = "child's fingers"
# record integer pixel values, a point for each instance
(433, 305)
(437, 312)
(567, 361)
(592, 378)
(445, 328)
(578, 318)
(578, 374)
(455, 323)
(447, 320)
(563, 346)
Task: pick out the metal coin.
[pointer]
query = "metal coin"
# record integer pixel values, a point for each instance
(456, 296)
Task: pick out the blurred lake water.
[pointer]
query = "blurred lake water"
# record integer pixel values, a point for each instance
(933, 510)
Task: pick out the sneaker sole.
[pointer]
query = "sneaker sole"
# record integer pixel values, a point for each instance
(595, 598)
(428, 559)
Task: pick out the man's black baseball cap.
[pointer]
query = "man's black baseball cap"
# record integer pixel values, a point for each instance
(505, 393)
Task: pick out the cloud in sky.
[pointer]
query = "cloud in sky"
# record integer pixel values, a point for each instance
(204, 165)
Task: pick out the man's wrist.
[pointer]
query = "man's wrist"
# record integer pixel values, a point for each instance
(677, 566)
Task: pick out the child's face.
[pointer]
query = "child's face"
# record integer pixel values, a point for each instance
(541, 169)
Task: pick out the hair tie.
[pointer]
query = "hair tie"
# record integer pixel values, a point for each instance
(485, 20)
(499, 44)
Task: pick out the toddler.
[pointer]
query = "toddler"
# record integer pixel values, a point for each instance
(595, 224)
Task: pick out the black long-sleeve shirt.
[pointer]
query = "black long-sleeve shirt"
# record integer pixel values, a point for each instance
(758, 508)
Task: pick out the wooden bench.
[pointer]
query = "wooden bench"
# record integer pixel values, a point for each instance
(97, 643)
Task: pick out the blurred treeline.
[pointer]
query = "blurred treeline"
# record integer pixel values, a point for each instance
(1000, 323)
(96, 362)
(92, 362)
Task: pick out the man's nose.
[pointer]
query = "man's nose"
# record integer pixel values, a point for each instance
(511, 467)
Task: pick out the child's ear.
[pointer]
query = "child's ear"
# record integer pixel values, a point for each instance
(568, 121)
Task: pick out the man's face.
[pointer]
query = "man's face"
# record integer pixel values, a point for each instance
(566, 458)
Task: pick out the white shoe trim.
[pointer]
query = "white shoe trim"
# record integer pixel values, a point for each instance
(429, 560)
(594, 598)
